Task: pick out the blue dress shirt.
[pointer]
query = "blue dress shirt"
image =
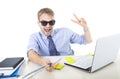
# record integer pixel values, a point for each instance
(62, 38)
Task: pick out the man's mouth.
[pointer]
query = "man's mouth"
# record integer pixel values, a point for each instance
(47, 30)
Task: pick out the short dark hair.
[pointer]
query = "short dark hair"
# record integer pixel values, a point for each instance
(45, 10)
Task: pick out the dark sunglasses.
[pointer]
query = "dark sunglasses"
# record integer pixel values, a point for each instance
(44, 23)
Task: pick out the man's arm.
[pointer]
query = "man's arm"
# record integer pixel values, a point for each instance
(87, 34)
(83, 23)
(35, 58)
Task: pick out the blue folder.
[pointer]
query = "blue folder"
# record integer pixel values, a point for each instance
(14, 74)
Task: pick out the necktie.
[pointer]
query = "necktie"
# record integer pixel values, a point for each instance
(52, 48)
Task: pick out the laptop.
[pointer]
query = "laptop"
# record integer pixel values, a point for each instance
(105, 53)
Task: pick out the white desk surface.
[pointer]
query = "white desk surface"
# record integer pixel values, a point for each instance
(111, 71)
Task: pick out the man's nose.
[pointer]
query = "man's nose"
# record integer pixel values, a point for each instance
(48, 25)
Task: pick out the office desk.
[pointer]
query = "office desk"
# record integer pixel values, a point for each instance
(111, 71)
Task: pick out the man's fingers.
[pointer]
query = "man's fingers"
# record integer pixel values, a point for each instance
(73, 20)
(76, 17)
(49, 69)
(77, 22)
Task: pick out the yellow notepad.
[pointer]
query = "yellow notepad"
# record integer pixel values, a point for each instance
(70, 60)
(58, 66)
(90, 54)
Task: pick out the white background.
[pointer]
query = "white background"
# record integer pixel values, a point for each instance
(18, 19)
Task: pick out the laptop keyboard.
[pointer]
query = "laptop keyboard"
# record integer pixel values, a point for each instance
(83, 62)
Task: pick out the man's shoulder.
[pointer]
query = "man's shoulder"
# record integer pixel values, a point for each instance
(35, 34)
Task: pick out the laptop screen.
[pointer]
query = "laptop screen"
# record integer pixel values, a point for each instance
(105, 51)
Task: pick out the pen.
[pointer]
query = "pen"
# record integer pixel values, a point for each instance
(32, 73)
(51, 64)
(35, 71)
(57, 61)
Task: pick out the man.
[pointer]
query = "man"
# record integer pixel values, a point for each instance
(39, 43)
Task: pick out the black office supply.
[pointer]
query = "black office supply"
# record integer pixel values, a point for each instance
(11, 63)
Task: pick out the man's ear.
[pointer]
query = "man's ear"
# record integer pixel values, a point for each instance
(38, 23)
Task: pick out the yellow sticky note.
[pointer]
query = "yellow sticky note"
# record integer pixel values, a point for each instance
(58, 66)
(90, 54)
(70, 59)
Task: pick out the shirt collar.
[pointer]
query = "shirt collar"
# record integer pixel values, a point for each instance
(44, 36)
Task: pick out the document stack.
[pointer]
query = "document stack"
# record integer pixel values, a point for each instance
(10, 67)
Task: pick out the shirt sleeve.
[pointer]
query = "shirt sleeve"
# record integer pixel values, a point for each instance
(77, 38)
(32, 44)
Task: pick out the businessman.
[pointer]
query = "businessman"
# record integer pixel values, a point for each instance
(54, 42)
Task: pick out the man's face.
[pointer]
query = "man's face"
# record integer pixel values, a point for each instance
(46, 23)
